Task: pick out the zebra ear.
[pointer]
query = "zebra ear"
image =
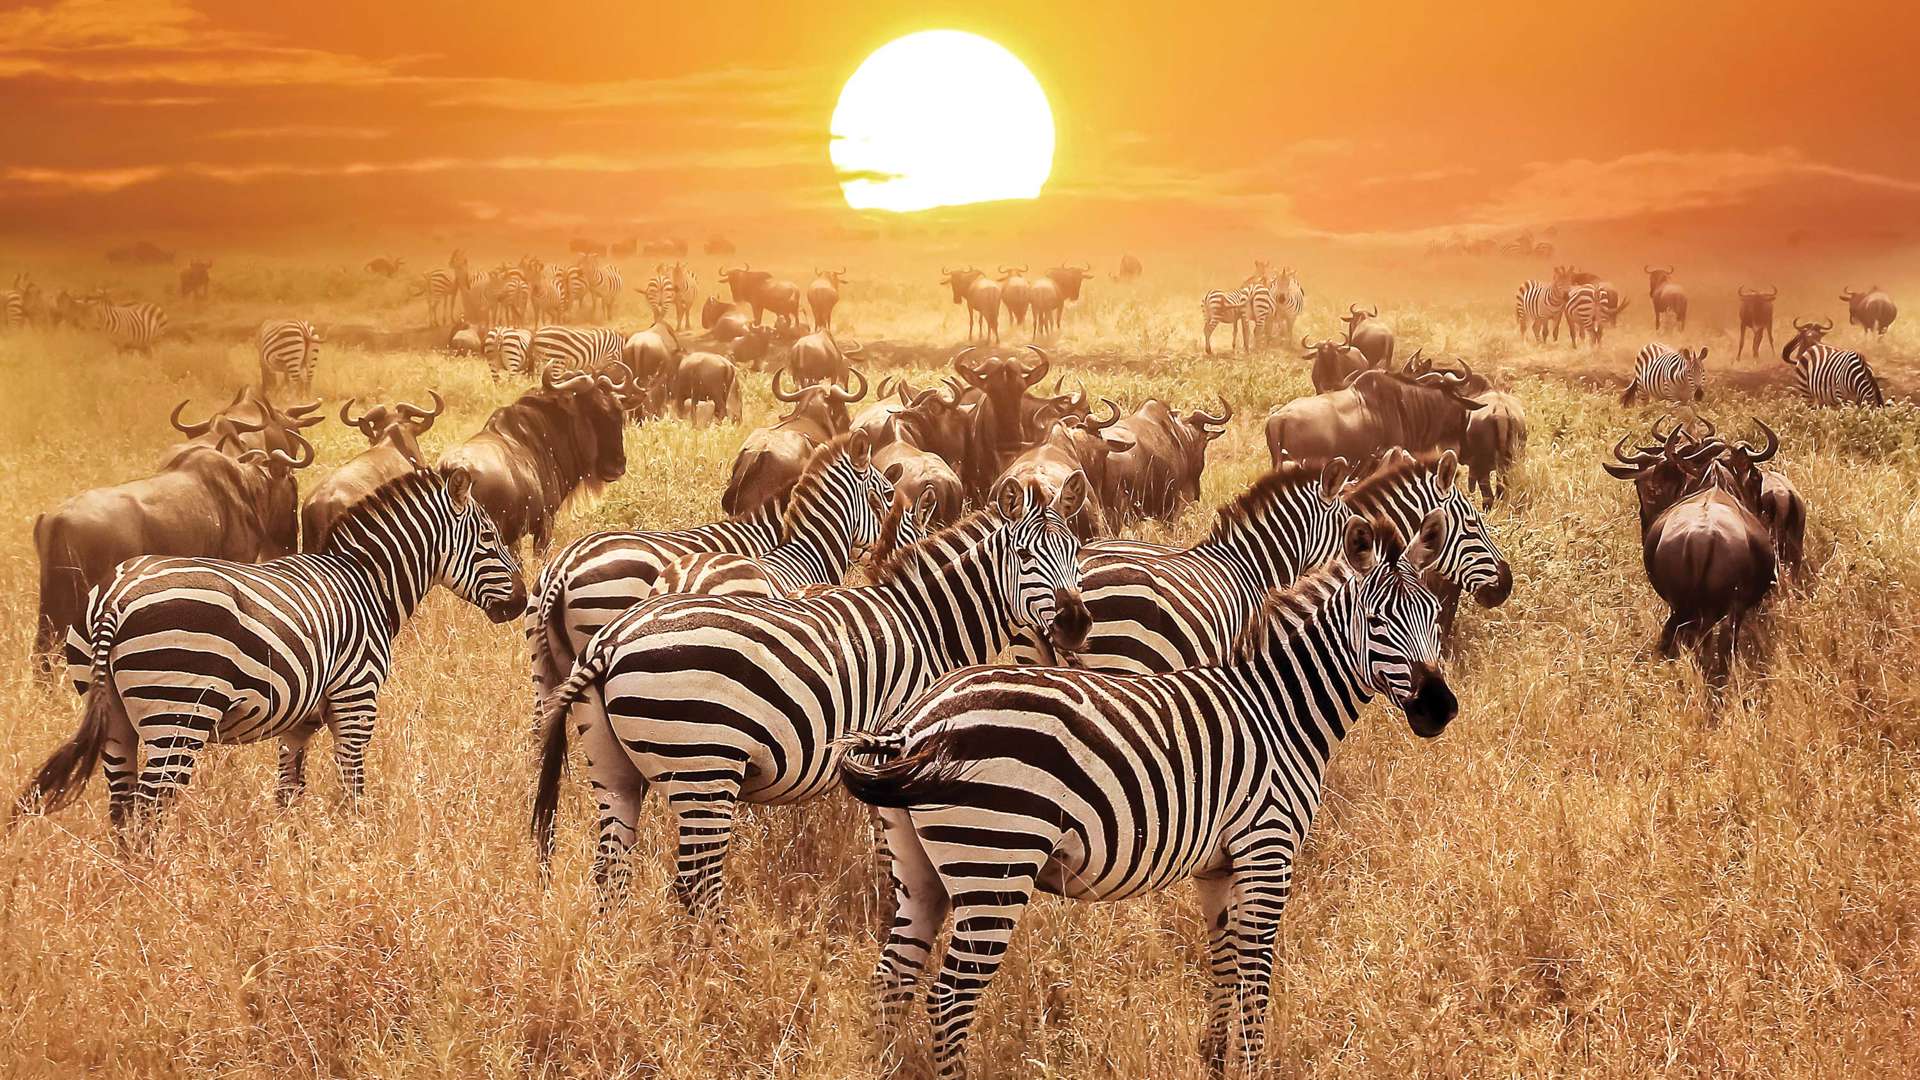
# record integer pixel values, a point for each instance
(926, 506)
(1702, 358)
(860, 451)
(1011, 499)
(1443, 472)
(1073, 495)
(1357, 546)
(1333, 477)
(1427, 542)
(459, 488)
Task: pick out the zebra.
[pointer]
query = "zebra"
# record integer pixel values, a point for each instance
(508, 295)
(186, 651)
(289, 349)
(837, 506)
(718, 699)
(1224, 307)
(1157, 608)
(13, 309)
(1261, 304)
(505, 349)
(661, 295)
(603, 285)
(1661, 374)
(1586, 312)
(547, 294)
(135, 327)
(1537, 305)
(441, 287)
(1000, 782)
(574, 348)
(1290, 300)
(685, 284)
(1830, 376)
(571, 282)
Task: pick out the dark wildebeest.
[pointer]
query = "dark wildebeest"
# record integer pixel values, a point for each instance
(1667, 295)
(393, 450)
(894, 399)
(715, 309)
(1785, 513)
(753, 346)
(1495, 438)
(204, 501)
(758, 290)
(196, 279)
(1074, 449)
(772, 459)
(1016, 293)
(916, 472)
(1756, 317)
(652, 353)
(532, 456)
(1709, 554)
(675, 246)
(1003, 382)
(1368, 334)
(981, 294)
(386, 266)
(1049, 303)
(1130, 269)
(1160, 474)
(1872, 311)
(704, 376)
(1335, 363)
(1377, 410)
(817, 357)
(824, 294)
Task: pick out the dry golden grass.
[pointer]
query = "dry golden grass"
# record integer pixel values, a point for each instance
(1592, 873)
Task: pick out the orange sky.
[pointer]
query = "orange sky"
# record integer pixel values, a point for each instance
(619, 118)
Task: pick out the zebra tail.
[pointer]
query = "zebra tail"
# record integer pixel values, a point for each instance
(553, 752)
(64, 775)
(1626, 398)
(926, 776)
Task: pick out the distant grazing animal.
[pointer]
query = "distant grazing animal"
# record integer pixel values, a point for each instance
(1158, 476)
(1872, 311)
(186, 651)
(718, 245)
(22, 305)
(386, 266)
(1662, 374)
(132, 327)
(621, 249)
(570, 349)
(758, 290)
(195, 279)
(1537, 305)
(1130, 269)
(1016, 293)
(1218, 307)
(981, 294)
(659, 294)
(1376, 410)
(685, 285)
(1067, 282)
(1494, 441)
(1367, 333)
(1756, 318)
(1785, 513)
(1667, 295)
(997, 783)
(439, 286)
(393, 450)
(289, 351)
(817, 357)
(708, 377)
(140, 253)
(674, 246)
(603, 284)
(1586, 315)
(771, 459)
(1829, 376)
(533, 455)
(824, 294)
(506, 350)
(1335, 363)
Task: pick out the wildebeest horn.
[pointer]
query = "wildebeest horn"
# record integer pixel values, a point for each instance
(606, 379)
(944, 272)
(1097, 425)
(579, 380)
(1757, 455)
(1085, 268)
(1305, 344)
(919, 399)
(346, 407)
(1353, 309)
(1041, 367)
(842, 272)
(1773, 291)
(189, 430)
(779, 374)
(846, 351)
(1373, 312)
(418, 413)
(301, 411)
(1639, 456)
(1746, 292)
(1225, 414)
(842, 394)
(960, 361)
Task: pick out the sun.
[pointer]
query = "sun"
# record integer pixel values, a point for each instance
(941, 118)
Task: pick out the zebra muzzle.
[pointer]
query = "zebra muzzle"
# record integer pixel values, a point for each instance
(1432, 704)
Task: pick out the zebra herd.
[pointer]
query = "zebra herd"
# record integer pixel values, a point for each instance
(1265, 308)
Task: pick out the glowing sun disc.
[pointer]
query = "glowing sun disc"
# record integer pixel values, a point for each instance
(941, 118)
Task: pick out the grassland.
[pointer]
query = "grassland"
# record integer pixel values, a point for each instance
(1594, 872)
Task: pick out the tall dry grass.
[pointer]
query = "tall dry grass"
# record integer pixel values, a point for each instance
(1594, 872)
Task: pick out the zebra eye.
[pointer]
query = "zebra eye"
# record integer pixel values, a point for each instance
(1024, 553)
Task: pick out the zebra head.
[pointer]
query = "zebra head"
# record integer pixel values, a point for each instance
(1696, 367)
(870, 493)
(475, 563)
(1469, 558)
(1402, 619)
(1040, 565)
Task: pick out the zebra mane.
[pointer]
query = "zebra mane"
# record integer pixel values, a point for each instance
(1266, 492)
(1391, 472)
(1289, 608)
(906, 560)
(395, 491)
(812, 478)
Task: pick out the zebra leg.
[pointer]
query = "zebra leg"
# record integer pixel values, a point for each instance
(170, 744)
(1260, 893)
(704, 803)
(618, 790)
(986, 913)
(350, 715)
(1216, 900)
(293, 762)
(119, 763)
(921, 906)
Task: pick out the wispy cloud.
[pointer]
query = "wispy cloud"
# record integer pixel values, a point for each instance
(299, 131)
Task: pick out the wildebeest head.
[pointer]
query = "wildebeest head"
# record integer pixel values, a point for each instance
(597, 403)
(1004, 379)
(1663, 473)
(1805, 335)
(835, 278)
(824, 404)
(744, 282)
(399, 425)
(1069, 278)
(960, 281)
(1657, 276)
(1197, 430)
(1354, 317)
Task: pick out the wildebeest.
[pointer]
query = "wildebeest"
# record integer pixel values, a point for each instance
(981, 294)
(651, 354)
(140, 253)
(1708, 553)
(223, 501)
(1829, 375)
(823, 295)
(1003, 382)
(673, 245)
(1785, 513)
(1016, 293)
(385, 266)
(917, 473)
(708, 377)
(393, 450)
(533, 455)
(1667, 295)
(1073, 448)
(894, 399)
(1368, 334)
(718, 245)
(1048, 303)
(714, 311)
(1872, 310)
(771, 459)
(1377, 410)
(1495, 438)
(758, 290)
(817, 357)
(195, 279)
(1159, 475)
(754, 344)
(1756, 318)
(1130, 269)
(1335, 363)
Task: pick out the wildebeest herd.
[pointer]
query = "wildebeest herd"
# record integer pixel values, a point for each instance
(1030, 701)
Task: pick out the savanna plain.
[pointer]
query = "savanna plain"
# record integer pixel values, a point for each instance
(1600, 869)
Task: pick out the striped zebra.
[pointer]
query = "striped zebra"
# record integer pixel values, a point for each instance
(1157, 608)
(1586, 314)
(571, 281)
(131, 327)
(603, 284)
(13, 309)
(837, 506)
(1289, 300)
(685, 284)
(1000, 782)
(187, 651)
(441, 287)
(713, 700)
(1261, 305)
(574, 348)
(506, 350)
(1661, 374)
(1224, 307)
(508, 294)
(289, 350)
(1538, 305)
(661, 295)
(1830, 376)
(546, 296)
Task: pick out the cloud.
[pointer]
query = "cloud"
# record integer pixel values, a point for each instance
(745, 92)
(300, 131)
